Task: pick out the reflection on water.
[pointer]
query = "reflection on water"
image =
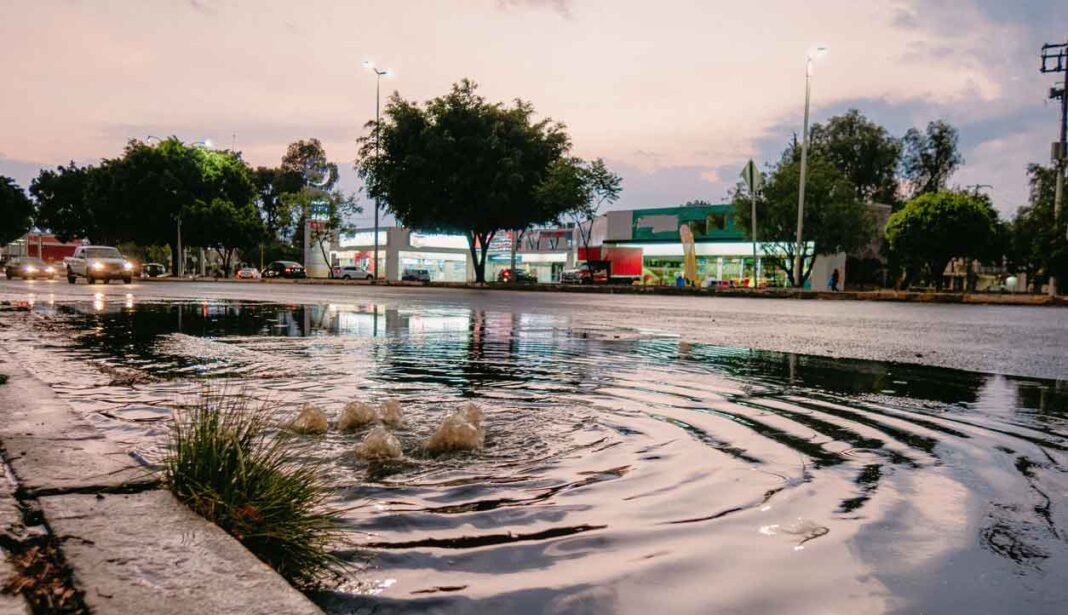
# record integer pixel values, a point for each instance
(624, 470)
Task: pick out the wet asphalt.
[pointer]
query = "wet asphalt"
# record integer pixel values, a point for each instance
(1012, 340)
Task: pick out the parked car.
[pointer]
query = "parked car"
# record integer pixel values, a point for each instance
(284, 269)
(98, 263)
(247, 273)
(350, 272)
(582, 275)
(29, 268)
(153, 270)
(416, 275)
(521, 276)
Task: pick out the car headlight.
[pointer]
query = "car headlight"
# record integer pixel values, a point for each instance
(97, 266)
(29, 268)
(50, 269)
(127, 266)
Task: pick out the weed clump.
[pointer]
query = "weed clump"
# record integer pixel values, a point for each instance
(225, 462)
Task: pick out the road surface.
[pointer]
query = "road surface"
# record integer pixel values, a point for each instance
(1013, 340)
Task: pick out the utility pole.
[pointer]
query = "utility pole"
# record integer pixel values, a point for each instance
(1055, 60)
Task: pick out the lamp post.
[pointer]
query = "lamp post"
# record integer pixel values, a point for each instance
(818, 52)
(379, 73)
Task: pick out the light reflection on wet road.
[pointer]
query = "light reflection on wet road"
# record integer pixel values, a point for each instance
(627, 469)
(1015, 340)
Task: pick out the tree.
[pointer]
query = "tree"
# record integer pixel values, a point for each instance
(834, 219)
(307, 159)
(271, 184)
(934, 228)
(461, 164)
(930, 158)
(16, 211)
(863, 151)
(61, 202)
(589, 185)
(1036, 243)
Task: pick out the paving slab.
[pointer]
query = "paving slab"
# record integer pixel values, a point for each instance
(146, 553)
(51, 449)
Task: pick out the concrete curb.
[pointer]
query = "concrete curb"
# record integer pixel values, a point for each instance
(132, 548)
(770, 293)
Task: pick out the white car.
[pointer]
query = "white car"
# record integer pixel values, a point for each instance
(247, 273)
(94, 263)
(350, 272)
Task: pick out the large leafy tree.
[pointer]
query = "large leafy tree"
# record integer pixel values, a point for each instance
(835, 220)
(461, 164)
(61, 201)
(160, 182)
(271, 185)
(930, 158)
(224, 217)
(863, 151)
(934, 228)
(16, 210)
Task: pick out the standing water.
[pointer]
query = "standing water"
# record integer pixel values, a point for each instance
(622, 470)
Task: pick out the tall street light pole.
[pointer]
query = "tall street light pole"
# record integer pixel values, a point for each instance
(379, 73)
(1055, 60)
(799, 260)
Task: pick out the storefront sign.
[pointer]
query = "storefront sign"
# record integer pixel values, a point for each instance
(362, 238)
(425, 240)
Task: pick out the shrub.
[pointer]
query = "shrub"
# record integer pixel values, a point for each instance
(226, 461)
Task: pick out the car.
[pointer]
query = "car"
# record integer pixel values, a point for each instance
(351, 272)
(247, 273)
(284, 269)
(582, 275)
(153, 270)
(29, 268)
(103, 263)
(416, 275)
(520, 275)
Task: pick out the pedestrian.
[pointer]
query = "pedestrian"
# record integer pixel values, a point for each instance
(834, 281)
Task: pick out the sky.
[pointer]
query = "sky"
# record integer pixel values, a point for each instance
(675, 95)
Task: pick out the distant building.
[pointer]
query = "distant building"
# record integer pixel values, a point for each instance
(647, 243)
(44, 246)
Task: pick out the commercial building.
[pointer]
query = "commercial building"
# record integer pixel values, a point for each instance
(445, 257)
(648, 244)
(44, 246)
(544, 253)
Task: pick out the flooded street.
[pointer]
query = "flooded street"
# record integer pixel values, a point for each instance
(630, 465)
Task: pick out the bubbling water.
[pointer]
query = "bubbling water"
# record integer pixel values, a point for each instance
(356, 415)
(310, 421)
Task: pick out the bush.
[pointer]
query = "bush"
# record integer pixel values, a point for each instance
(227, 463)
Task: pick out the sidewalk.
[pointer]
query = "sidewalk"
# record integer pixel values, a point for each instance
(113, 540)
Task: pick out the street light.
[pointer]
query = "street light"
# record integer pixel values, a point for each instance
(813, 55)
(379, 73)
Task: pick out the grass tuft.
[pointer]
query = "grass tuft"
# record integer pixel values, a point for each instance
(226, 461)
